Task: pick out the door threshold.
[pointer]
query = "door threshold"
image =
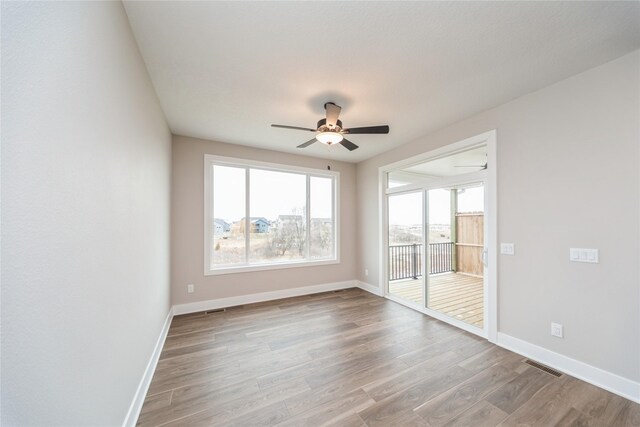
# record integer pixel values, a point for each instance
(481, 332)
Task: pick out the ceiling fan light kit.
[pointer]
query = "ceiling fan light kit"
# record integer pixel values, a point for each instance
(329, 137)
(329, 130)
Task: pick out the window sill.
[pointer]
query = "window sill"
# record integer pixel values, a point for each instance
(264, 267)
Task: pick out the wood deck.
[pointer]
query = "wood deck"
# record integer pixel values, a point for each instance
(454, 294)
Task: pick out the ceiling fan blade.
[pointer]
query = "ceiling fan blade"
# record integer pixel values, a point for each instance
(348, 144)
(473, 166)
(333, 111)
(308, 143)
(293, 127)
(368, 129)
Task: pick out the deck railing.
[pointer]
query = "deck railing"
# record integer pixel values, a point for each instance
(405, 261)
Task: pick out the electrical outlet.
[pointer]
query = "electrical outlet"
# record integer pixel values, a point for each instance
(366, 272)
(191, 288)
(557, 330)
(507, 249)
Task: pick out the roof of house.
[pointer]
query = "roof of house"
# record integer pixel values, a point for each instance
(221, 221)
(255, 219)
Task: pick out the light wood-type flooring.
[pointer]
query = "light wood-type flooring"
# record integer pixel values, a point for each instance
(349, 358)
(454, 294)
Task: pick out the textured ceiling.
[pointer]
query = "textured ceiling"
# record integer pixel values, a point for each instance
(227, 70)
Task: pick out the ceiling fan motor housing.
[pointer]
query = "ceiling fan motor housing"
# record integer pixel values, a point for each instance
(322, 126)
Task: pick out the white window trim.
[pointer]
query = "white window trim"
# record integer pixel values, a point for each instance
(210, 159)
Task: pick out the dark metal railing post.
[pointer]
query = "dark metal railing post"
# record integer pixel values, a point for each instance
(414, 253)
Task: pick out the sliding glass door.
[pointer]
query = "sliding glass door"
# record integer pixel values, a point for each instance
(438, 233)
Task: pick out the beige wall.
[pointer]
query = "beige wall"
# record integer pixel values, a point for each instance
(187, 230)
(568, 176)
(86, 165)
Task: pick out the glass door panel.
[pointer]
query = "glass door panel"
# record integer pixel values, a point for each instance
(405, 247)
(454, 252)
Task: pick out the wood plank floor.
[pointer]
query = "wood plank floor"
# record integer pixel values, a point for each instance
(454, 294)
(349, 358)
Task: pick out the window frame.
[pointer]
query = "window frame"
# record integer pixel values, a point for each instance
(210, 160)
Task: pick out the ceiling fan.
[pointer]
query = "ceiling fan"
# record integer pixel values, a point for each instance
(482, 167)
(330, 130)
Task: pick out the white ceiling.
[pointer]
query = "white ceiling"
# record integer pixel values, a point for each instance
(463, 162)
(227, 70)
(454, 164)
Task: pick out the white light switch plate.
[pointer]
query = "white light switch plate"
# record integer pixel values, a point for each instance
(507, 249)
(583, 255)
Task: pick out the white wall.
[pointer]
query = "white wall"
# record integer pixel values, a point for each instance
(187, 226)
(85, 219)
(568, 176)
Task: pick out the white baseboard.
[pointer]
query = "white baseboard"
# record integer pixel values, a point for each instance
(370, 288)
(213, 304)
(141, 393)
(600, 378)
